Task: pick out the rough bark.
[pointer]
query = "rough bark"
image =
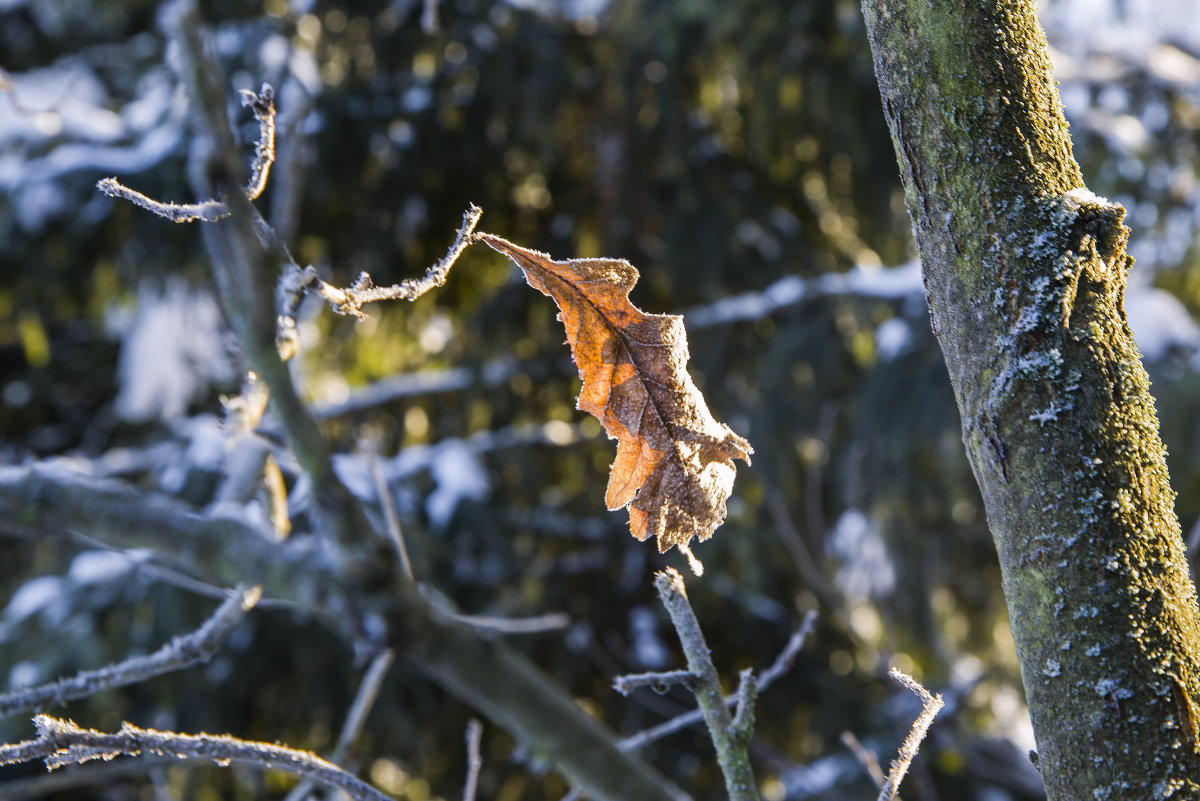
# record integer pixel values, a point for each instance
(1025, 271)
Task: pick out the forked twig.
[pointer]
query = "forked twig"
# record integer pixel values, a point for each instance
(781, 665)
(262, 104)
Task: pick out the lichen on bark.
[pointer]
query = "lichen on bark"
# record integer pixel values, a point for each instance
(1026, 270)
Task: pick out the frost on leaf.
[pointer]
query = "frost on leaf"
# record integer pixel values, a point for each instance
(674, 465)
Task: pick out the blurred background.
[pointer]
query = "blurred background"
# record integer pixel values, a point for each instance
(737, 155)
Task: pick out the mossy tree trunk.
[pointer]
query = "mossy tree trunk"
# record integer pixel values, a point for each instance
(1025, 271)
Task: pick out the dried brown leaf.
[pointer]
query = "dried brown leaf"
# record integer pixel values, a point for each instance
(674, 465)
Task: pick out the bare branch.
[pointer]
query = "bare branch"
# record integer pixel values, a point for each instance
(345, 593)
(729, 738)
(931, 705)
(364, 699)
(659, 682)
(198, 646)
(61, 742)
(865, 756)
(390, 518)
(781, 665)
(787, 657)
(518, 625)
(362, 291)
(474, 760)
(263, 106)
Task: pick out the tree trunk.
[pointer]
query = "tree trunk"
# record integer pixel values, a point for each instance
(1025, 271)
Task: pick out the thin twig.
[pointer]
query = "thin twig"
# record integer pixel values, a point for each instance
(263, 106)
(659, 682)
(61, 742)
(552, 621)
(390, 518)
(362, 291)
(69, 782)
(364, 699)
(729, 739)
(931, 705)
(199, 646)
(368, 691)
(865, 756)
(474, 759)
(781, 665)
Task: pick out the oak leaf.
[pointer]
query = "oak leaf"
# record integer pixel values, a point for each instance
(674, 465)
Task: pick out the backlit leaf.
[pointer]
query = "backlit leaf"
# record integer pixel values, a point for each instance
(674, 465)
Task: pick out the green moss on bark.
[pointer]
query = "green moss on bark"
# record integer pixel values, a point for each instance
(1026, 272)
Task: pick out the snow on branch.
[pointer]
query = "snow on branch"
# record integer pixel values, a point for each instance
(199, 646)
(262, 104)
(931, 705)
(61, 742)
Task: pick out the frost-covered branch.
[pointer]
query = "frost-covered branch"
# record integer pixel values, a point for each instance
(245, 256)
(730, 735)
(262, 104)
(363, 290)
(931, 705)
(659, 682)
(782, 664)
(351, 591)
(199, 646)
(61, 742)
